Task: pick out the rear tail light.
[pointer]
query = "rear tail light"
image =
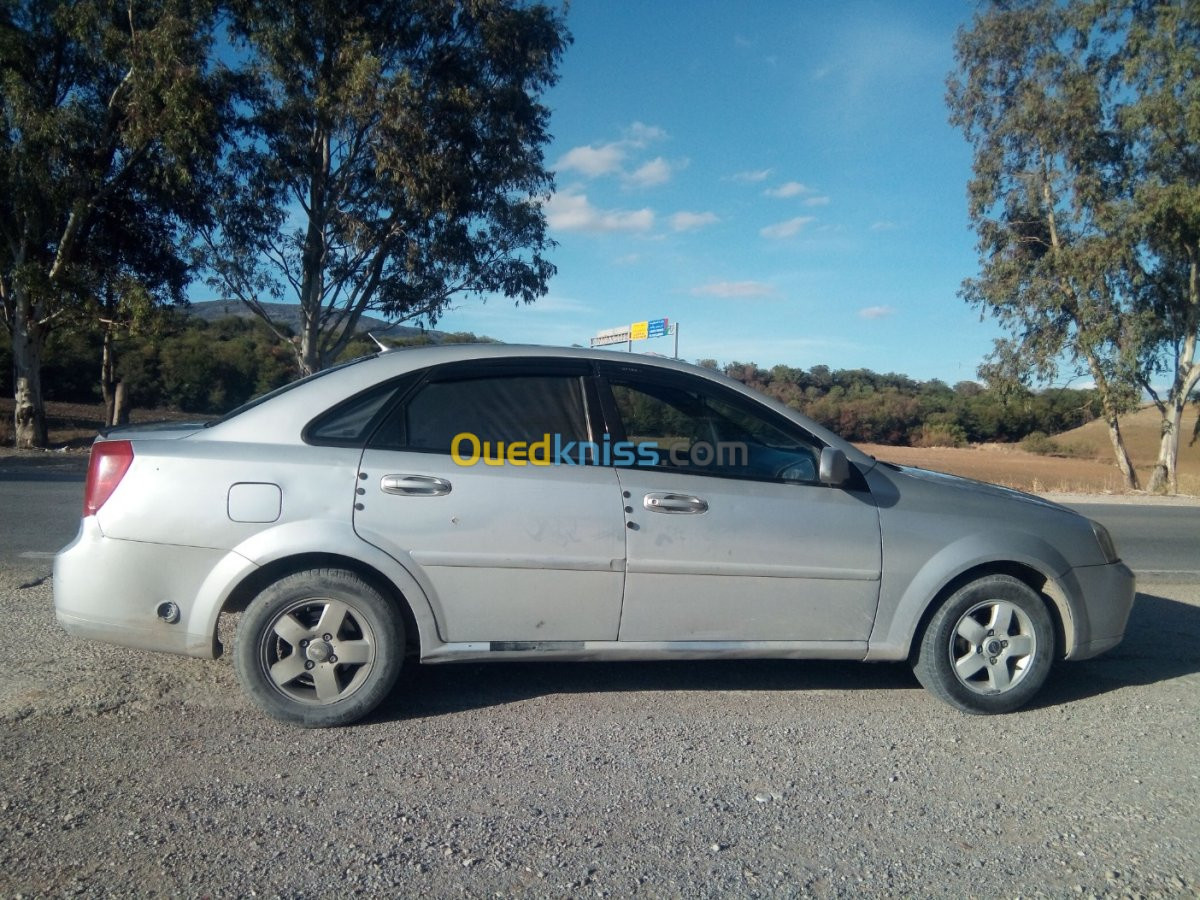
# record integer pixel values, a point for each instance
(109, 462)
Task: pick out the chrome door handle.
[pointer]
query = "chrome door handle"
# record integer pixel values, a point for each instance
(674, 503)
(414, 485)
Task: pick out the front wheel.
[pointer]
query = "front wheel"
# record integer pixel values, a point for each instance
(988, 648)
(319, 648)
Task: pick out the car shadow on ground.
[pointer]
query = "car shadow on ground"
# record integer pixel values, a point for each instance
(1160, 644)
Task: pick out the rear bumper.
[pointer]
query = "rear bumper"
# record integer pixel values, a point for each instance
(1106, 598)
(109, 590)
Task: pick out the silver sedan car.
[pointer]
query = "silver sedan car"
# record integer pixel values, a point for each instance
(513, 503)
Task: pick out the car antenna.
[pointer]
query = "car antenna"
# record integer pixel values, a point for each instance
(382, 347)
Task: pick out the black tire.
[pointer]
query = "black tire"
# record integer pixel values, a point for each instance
(988, 648)
(290, 637)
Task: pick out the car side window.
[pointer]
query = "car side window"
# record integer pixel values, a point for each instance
(349, 423)
(706, 433)
(494, 410)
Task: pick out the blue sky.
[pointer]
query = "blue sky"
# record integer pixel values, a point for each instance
(778, 177)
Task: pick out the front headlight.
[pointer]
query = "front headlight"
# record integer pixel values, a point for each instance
(1104, 539)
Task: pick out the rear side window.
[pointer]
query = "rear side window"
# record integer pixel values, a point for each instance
(498, 408)
(351, 421)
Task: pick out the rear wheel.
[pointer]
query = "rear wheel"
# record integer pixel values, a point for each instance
(988, 648)
(319, 648)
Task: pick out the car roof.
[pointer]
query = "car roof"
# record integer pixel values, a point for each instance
(282, 417)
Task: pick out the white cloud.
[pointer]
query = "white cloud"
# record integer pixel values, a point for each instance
(688, 221)
(734, 289)
(884, 226)
(593, 161)
(790, 189)
(787, 229)
(641, 134)
(752, 176)
(817, 201)
(571, 211)
(611, 158)
(876, 312)
(656, 171)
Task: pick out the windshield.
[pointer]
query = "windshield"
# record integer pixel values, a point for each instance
(263, 398)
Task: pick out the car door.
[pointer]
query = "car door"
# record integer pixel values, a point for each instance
(511, 543)
(729, 535)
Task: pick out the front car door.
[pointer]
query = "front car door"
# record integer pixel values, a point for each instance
(508, 551)
(729, 535)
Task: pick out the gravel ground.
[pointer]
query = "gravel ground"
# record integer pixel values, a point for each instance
(124, 773)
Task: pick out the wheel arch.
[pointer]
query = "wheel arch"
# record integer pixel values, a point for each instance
(263, 576)
(1039, 582)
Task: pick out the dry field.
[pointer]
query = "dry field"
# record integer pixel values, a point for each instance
(1089, 468)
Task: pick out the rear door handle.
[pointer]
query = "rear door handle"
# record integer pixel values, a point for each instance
(664, 502)
(414, 485)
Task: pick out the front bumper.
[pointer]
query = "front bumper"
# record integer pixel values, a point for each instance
(1106, 598)
(109, 590)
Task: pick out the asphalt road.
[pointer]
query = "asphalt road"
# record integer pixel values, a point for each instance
(1156, 540)
(40, 503)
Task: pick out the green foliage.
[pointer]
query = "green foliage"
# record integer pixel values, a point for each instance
(866, 406)
(940, 435)
(112, 118)
(1085, 194)
(1040, 443)
(413, 134)
(185, 363)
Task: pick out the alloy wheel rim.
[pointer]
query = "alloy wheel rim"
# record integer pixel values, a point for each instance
(318, 651)
(992, 647)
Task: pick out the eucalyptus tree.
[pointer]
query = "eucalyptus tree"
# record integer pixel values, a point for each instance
(1031, 100)
(394, 160)
(111, 110)
(1084, 118)
(1158, 121)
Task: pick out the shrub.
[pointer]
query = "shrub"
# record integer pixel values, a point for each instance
(942, 434)
(1040, 443)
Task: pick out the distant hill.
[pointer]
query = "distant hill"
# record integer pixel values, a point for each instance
(1141, 432)
(288, 315)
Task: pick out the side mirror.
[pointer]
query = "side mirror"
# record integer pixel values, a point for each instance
(835, 468)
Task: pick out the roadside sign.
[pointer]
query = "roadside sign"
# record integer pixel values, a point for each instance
(612, 336)
(638, 331)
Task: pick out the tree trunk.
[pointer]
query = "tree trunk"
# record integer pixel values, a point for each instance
(1163, 479)
(120, 405)
(1120, 453)
(108, 379)
(29, 414)
(308, 352)
(1186, 377)
(1112, 420)
(1165, 476)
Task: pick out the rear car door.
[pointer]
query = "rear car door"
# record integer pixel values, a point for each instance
(530, 548)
